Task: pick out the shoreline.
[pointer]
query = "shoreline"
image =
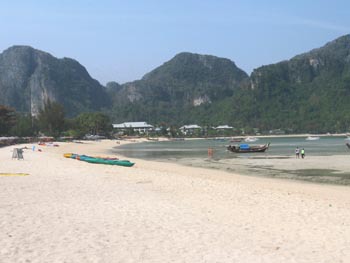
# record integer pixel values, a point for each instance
(204, 170)
(67, 210)
(322, 169)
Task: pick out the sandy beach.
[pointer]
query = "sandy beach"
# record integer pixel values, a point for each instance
(65, 210)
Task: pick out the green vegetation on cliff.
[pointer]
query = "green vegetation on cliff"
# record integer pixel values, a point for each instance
(308, 93)
(179, 90)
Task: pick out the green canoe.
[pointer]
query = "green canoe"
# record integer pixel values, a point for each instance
(106, 161)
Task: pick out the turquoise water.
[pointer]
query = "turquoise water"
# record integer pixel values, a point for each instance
(195, 153)
(279, 147)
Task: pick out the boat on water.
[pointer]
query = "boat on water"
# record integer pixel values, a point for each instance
(246, 148)
(348, 144)
(312, 138)
(251, 139)
(237, 139)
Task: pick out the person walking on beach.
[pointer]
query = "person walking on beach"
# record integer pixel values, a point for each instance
(302, 153)
(297, 152)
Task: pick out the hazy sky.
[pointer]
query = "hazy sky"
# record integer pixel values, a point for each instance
(123, 40)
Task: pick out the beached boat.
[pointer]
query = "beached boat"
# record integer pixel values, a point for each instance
(312, 138)
(106, 161)
(99, 160)
(68, 155)
(152, 139)
(246, 148)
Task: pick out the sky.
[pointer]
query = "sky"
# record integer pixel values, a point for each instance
(123, 40)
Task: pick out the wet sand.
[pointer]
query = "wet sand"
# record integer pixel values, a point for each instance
(71, 211)
(317, 169)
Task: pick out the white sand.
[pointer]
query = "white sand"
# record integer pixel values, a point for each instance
(72, 211)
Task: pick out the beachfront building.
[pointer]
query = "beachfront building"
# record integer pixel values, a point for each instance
(190, 129)
(223, 127)
(222, 130)
(140, 127)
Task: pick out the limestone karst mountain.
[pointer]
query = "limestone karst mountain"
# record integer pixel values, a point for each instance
(28, 77)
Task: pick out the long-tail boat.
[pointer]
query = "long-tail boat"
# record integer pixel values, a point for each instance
(246, 148)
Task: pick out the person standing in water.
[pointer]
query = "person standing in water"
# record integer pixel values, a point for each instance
(297, 153)
(302, 153)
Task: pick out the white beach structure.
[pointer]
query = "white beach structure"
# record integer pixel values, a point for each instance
(223, 127)
(141, 126)
(189, 129)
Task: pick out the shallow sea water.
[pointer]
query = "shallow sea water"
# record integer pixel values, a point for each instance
(195, 153)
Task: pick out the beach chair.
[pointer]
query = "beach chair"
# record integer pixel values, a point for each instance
(17, 154)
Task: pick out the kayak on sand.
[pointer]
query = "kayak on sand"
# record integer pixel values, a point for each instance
(99, 160)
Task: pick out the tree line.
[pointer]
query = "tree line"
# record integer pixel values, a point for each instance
(51, 121)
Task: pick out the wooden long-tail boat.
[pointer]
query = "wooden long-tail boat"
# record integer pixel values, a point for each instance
(245, 148)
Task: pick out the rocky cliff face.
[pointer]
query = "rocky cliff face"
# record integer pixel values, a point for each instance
(311, 91)
(329, 61)
(187, 77)
(308, 93)
(175, 88)
(29, 77)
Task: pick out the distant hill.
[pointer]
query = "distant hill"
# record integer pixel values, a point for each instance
(28, 77)
(173, 91)
(308, 93)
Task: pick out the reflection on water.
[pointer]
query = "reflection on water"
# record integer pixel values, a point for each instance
(195, 153)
